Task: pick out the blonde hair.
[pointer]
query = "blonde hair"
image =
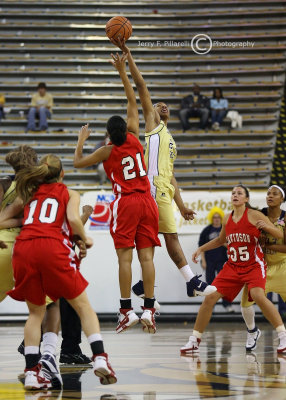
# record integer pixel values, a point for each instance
(213, 211)
(30, 178)
(21, 157)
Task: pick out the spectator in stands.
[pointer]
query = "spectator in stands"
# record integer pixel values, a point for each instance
(2, 102)
(41, 107)
(194, 105)
(212, 261)
(219, 106)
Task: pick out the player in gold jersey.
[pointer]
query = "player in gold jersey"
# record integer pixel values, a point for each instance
(275, 256)
(159, 158)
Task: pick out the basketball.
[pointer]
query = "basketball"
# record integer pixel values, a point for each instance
(118, 27)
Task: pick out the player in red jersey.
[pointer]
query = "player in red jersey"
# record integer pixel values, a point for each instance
(134, 211)
(241, 230)
(44, 263)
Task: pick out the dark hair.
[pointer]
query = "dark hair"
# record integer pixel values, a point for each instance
(281, 187)
(42, 85)
(117, 130)
(247, 195)
(29, 179)
(23, 156)
(220, 90)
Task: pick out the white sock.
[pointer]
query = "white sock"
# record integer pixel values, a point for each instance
(280, 329)
(50, 340)
(31, 350)
(187, 272)
(248, 314)
(94, 338)
(197, 334)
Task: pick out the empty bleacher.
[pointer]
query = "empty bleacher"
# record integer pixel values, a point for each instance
(64, 44)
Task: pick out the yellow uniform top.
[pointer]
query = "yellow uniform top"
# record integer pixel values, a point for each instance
(2, 100)
(42, 101)
(275, 257)
(160, 155)
(9, 235)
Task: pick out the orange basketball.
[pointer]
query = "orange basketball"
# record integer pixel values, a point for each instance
(118, 27)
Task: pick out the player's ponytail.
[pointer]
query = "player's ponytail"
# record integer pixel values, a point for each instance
(29, 179)
(23, 156)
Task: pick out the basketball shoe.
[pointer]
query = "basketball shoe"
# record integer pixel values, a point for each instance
(138, 290)
(192, 346)
(35, 379)
(75, 359)
(147, 319)
(50, 370)
(252, 337)
(103, 370)
(197, 287)
(282, 342)
(126, 319)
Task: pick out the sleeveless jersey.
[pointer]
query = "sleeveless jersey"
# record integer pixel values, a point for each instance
(45, 214)
(243, 248)
(9, 234)
(273, 257)
(160, 155)
(126, 168)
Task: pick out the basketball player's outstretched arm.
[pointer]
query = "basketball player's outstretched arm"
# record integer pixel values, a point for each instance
(212, 244)
(151, 116)
(119, 63)
(186, 212)
(96, 157)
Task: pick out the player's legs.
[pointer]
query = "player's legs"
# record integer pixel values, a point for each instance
(271, 314)
(148, 272)
(91, 328)
(34, 378)
(202, 320)
(125, 274)
(248, 314)
(127, 317)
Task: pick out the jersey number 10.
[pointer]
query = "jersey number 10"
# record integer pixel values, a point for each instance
(48, 213)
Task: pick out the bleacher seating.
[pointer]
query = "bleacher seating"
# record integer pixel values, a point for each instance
(64, 44)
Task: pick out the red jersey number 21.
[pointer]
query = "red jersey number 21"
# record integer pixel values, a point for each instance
(129, 163)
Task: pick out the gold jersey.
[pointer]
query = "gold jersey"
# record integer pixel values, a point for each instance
(275, 257)
(9, 234)
(159, 156)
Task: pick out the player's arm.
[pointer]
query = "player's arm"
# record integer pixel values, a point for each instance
(151, 116)
(119, 63)
(86, 212)
(263, 223)
(3, 245)
(186, 212)
(74, 218)
(11, 216)
(212, 244)
(99, 155)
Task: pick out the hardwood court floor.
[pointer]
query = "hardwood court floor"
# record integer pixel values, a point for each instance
(149, 367)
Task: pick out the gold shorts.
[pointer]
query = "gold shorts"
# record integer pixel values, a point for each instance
(275, 282)
(164, 199)
(6, 270)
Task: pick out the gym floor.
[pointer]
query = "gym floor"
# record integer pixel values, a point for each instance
(149, 367)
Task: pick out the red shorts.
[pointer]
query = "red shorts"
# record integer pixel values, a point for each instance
(134, 221)
(45, 266)
(231, 279)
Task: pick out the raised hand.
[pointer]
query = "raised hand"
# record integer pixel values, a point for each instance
(119, 62)
(84, 132)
